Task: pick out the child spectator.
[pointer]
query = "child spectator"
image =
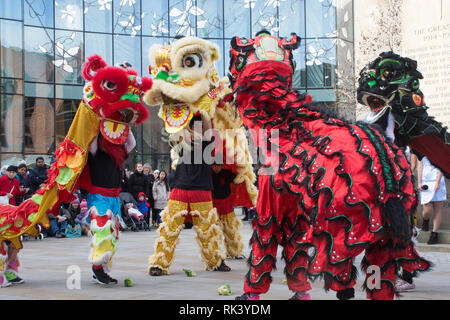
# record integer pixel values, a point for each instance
(142, 204)
(81, 218)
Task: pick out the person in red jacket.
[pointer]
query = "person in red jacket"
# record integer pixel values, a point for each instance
(10, 186)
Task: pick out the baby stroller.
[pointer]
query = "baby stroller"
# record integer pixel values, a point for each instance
(137, 217)
(126, 198)
(40, 235)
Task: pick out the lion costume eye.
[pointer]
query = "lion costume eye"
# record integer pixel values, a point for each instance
(109, 85)
(192, 60)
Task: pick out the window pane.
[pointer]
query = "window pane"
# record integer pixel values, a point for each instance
(320, 18)
(127, 48)
(11, 9)
(98, 15)
(11, 49)
(69, 92)
(322, 95)
(345, 20)
(100, 44)
(155, 138)
(299, 78)
(264, 16)
(237, 18)
(69, 14)
(155, 20)
(39, 125)
(11, 117)
(65, 112)
(147, 42)
(127, 17)
(39, 13)
(68, 56)
(209, 18)
(182, 18)
(219, 64)
(13, 86)
(321, 63)
(38, 54)
(40, 90)
(292, 18)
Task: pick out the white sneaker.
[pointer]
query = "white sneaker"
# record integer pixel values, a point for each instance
(402, 286)
(3, 282)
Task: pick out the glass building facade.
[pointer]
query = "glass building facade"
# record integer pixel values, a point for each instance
(45, 42)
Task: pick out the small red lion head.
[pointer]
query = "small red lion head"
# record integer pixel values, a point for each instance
(115, 93)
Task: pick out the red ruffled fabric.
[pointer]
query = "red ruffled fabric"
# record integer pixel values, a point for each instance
(351, 186)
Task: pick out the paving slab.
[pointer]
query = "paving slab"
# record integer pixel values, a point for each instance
(46, 269)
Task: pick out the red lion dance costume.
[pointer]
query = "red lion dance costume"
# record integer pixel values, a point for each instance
(340, 188)
(91, 156)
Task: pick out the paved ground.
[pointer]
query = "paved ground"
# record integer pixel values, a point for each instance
(45, 264)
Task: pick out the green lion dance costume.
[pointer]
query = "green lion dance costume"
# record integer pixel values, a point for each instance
(91, 155)
(186, 86)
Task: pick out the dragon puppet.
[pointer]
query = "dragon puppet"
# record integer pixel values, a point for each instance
(340, 188)
(90, 157)
(390, 86)
(186, 86)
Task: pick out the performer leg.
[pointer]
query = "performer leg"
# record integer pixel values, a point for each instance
(11, 265)
(169, 230)
(209, 234)
(382, 287)
(234, 245)
(232, 236)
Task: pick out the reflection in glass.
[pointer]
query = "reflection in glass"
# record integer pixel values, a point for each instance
(69, 92)
(127, 48)
(65, 112)
(155, 20)
(127, 17)
(11, 9)
(40, 90)
(321, 63)
(320, 18)
(299, 77)
(11, 119)
(39, 13)
(68, 56)
(237, 19)
(98, 15)
(101, 44)
(69, 14)
(39, 125)
(292, 18)
(155, 147)
(183, 17)
(11, 49)
(12, 86)
(147, 42)
(265, 16)
(209, 19)
(38, 54)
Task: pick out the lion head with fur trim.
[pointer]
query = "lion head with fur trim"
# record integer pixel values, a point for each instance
(185, 81)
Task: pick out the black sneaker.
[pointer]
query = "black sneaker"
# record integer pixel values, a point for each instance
(13, 278)
(102, 277)
(247, 296)
(425, 225)
(433, 238)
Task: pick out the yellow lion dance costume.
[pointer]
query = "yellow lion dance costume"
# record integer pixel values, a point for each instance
(186, 86)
